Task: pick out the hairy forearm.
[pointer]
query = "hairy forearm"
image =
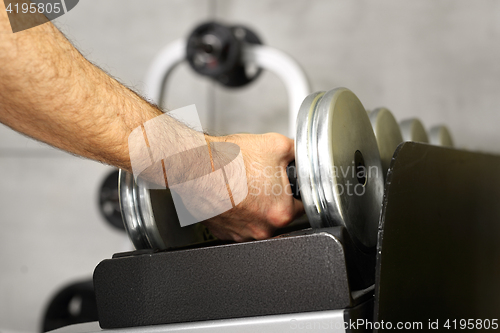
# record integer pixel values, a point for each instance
(50, 92)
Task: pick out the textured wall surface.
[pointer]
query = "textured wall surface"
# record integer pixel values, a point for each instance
(437, 60)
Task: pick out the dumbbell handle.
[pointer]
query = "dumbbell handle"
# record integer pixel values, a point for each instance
(291, 171)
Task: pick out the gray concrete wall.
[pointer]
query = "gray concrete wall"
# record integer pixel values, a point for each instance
(435, 59)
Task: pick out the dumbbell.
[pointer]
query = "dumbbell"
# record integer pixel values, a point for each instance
(390, 134)
(413, 130)
(338, 169)
(333, 134)
(338, 164)
(440, 136)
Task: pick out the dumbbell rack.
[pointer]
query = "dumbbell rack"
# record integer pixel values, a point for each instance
(305, 271)
(436, 257)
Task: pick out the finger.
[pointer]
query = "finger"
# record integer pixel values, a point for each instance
(291, 153)
(298, 207)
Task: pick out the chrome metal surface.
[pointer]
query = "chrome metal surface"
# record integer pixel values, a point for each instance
(137, 213)
(413, 130)
(388, 135)
(150, 219)
(440, 136)
(335, 144)
(304, 156)
(339, 170)
(331, 321)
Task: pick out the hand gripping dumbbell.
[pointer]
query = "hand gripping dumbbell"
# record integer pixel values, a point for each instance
(342, 157)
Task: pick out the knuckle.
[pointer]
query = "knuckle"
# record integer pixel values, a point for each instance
(280, 142)
(261, 233)
(237, 238)
(280, 217)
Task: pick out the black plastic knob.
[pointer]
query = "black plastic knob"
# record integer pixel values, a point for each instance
(216, 50)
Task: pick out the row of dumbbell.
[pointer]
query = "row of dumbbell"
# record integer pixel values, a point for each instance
(390, 134)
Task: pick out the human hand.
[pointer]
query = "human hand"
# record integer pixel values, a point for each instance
(269, 204)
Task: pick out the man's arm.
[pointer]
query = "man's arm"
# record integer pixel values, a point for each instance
(50, 92)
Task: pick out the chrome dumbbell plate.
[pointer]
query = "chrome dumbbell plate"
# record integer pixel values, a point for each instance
(440, 136)
(339, 171)
(388, 135)
(150, 218)
(339, 167)
(413, 130)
